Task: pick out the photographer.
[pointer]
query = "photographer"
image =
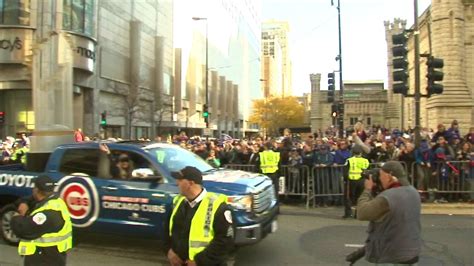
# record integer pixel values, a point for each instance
(394, 215)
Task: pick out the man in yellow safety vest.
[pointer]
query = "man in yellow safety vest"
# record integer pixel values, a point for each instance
(353, 183)
(43, 225)
(200, 227)
(269, 161)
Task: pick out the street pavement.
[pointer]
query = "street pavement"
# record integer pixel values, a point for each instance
(316, 236)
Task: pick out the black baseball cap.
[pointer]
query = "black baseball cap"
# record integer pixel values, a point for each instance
(189, 173)
(44, 183)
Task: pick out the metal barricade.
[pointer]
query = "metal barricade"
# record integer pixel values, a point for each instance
(295, 181)
(451, 178)
(244, 167)
(326, 184)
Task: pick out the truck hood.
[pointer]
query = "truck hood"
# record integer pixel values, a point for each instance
(235, 180)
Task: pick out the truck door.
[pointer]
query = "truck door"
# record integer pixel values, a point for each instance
(133, 204)
(80, 188)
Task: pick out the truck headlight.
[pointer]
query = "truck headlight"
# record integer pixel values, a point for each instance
(240, 202)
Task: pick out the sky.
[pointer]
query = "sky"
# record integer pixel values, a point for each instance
(313, 38)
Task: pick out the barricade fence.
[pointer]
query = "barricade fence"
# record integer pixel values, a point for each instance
(327, 185)
(324, 184)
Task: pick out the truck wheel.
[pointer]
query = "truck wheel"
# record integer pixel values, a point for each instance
(6, 214)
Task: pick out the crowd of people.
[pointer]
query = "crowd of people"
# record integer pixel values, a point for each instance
(14, 150)
(444, 147)
(443, 154)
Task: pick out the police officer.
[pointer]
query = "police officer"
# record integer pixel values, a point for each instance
(353, 183)
(43, 225)
(19, 155)
(269, 161)
(200, 227)
(394, 215)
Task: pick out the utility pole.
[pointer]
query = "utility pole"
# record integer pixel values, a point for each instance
(341, 84)
(416, 35)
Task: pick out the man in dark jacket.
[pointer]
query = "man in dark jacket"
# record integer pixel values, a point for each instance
(394, 215)
(44, 226)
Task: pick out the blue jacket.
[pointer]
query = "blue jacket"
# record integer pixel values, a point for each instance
(323, 157)
(341, 156)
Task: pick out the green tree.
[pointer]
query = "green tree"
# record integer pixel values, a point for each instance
(277, 112)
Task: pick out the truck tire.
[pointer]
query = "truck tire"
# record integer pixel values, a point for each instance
(6, 214)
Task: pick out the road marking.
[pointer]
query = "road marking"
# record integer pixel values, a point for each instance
(353, 245)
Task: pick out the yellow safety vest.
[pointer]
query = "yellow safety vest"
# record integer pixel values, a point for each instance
(356, 166)
(202, 232)
(23, 151)
(269, 161)
(62, 239)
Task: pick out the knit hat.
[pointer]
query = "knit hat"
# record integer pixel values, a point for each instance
(394, 168)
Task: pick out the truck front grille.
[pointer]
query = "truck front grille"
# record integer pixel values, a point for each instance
(262, 200)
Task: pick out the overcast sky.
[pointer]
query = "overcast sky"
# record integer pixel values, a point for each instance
(314, 36)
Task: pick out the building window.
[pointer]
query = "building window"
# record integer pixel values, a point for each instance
(142, 132)
(166, 84)
(15, 12)
(113, 131)
(78, 16)
(353, 120)
(369, 121)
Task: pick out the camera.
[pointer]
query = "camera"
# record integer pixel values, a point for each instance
(375, 174)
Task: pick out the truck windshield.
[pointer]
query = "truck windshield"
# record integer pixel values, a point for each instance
(173, 159)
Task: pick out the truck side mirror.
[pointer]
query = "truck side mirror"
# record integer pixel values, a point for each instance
(146, 174)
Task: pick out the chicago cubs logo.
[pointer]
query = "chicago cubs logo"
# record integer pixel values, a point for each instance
(81, 197)
(77, 199)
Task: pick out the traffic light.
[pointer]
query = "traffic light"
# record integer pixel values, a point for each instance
(205, 114)
(435, 65)
(103, 118)
(400, 63)
(2, 117)
(331, 87)
(340, 109)
(333, 110)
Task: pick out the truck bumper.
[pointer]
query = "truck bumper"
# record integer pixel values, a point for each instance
(250, 234)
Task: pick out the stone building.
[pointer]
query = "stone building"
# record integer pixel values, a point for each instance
(364, 101)
(446, 31)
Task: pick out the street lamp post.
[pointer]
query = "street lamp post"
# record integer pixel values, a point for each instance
(207, 68)
(341, 84)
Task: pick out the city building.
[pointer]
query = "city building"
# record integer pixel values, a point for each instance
(446, 31)
(112, 67)
(121, 66)
(232, 31)
(275, 45)
(364, 101)
(272, 72)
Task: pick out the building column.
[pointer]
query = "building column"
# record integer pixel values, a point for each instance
(52, 82)
(157, 104)
(316, 119)
(448, 33)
